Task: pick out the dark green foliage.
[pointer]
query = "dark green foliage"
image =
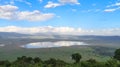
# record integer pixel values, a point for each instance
(37, 60)
(89, 64)
(112, 63)
(77, 57)
(117, 54)
(55, 63)
(92, 61)
(5, 63)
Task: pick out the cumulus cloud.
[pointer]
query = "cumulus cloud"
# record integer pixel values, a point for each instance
(60, 30)
(7, 11)
(60, 3)
(34, 16)
(52, 5)
(46, 29)
(10, 12)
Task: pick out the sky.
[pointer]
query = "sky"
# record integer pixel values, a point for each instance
(76, 17)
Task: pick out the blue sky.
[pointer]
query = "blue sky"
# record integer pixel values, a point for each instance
(85, 14)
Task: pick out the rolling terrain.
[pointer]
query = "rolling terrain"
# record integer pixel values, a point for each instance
(98, 47)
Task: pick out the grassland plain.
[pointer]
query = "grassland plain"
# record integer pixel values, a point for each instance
(62, 53)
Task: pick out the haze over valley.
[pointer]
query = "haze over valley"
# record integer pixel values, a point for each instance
(91, 46)
(59, 29)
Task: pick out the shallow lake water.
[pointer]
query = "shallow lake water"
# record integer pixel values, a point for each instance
(2, 45)
(52, 44)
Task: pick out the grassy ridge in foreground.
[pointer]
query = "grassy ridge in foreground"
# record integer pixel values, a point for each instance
(62, 53)
(25, 61)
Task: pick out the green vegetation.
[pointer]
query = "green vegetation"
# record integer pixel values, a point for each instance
(96, 52)
(100, 48)
(37, 62)
(77, 57)
(117, 54)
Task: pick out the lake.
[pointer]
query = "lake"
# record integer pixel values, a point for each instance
(2, 45)
(53, 44)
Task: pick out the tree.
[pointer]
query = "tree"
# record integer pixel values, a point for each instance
(51, 62)
(112, 63)
(117, 54)
(37, 60)
(77, 57)
(28, 60)
(91, 60)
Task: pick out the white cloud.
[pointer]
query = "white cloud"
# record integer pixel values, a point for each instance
(8, 8)
(91, 10)
(113, 7)
(60, 30)
(24, 1)
(28, 3)
(74, 10)
(7, 11)
(52, 5)
(117, 4)
(60, 3)
(69, 1)
(12, 2)
(110, 10)
(34, 16)
(41, 0)
(10, 12)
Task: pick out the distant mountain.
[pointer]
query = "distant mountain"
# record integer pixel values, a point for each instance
(59, 36)
(100, 37)
(11, 35)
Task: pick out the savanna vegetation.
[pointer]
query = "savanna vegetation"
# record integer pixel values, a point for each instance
(37, 62)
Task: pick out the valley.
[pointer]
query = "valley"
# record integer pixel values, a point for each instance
(97, 47)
